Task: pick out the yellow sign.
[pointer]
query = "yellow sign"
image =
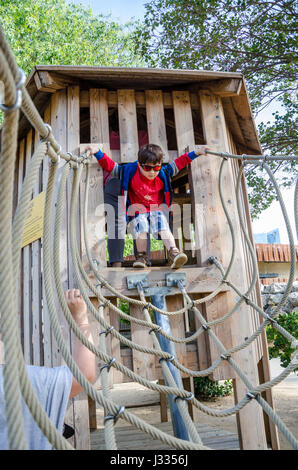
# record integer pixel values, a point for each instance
(33, 229)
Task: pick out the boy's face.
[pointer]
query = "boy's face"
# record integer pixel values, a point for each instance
(150, 170)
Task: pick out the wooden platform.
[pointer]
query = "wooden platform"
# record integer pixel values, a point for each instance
(139, 400)
(130, 438)
(201, 280)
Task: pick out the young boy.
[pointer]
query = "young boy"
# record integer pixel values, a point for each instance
(147, 194)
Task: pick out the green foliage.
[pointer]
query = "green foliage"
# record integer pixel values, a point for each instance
(55, 32)
(128, 246)
(207, 389)
(124, 306)
(279, 346)
(255, 38)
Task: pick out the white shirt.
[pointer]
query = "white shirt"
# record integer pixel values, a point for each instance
(52, 387)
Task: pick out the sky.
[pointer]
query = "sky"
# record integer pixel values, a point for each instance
(123, 11)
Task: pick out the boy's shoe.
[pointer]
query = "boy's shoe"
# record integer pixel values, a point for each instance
(141, 261)
(177, 258)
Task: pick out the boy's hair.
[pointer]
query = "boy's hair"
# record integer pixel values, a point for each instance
(150, 153)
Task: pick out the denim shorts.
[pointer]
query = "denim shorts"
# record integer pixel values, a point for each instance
(150, 221)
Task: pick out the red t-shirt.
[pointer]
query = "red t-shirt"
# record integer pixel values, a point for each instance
(143, 193)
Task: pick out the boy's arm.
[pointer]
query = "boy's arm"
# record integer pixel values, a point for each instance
(84, 358)
(181, 162)
(104, 161)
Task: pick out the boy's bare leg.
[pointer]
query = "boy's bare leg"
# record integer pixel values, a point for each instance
(142, 258)
(141, 242)
(168, 239)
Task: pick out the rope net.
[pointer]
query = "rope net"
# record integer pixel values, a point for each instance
(15, 378)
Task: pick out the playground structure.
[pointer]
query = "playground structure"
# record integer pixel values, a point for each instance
(217, 293)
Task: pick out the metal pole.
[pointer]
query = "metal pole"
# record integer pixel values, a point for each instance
(179, 428)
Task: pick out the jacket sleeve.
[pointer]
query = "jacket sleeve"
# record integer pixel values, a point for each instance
(179, 163)
(107, 163)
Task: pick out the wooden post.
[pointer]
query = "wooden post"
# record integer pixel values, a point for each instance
(215, 240)
(129, 145)
(156, 120)
(143, 364)
(99, 133)
(59, 126)
(80, 402)
(27, 286)
(47, 343)
(263, 365)
(114, 344)
(36, 281)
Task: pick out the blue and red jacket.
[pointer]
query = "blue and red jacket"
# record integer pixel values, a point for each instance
(126, 171)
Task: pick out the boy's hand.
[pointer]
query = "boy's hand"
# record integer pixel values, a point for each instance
(201, 149)
(77, 306)
(92, 149)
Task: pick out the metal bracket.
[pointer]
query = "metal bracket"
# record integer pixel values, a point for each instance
(170, 287)
(173, 278)
(135, 279)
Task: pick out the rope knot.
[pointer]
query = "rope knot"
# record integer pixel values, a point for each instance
(190, 397)
(146, 307)
(271, 319)
(251, 395)
(108, 366)
(171, 358)
(57, 161)
(225, 356)
(155, 330)
(115, 417)
(107, 331)
(246, 299)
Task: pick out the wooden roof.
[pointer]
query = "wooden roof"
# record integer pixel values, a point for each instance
(47, 79)
(274, 253)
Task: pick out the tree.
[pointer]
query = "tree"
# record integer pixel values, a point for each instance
(256, 38)
(55, 32)
(279, 346)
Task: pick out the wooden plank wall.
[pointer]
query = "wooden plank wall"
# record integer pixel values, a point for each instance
(38, 342)
(217, 242)
(212, 234)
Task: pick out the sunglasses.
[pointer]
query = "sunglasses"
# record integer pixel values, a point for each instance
(149, 168)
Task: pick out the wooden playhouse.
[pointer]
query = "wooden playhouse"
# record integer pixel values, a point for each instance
(177, 109)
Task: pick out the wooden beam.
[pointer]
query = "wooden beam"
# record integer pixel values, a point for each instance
(174, 303)
(99, 132)
(46, 82)
(80, 402)
(217, 242)
(47, 331)
(143, 364)
(140, 99)
(183, 121)
(73, 142)
(199, 280)
(224, 87)
(128, 129)
(264, 365)
(156, 120)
